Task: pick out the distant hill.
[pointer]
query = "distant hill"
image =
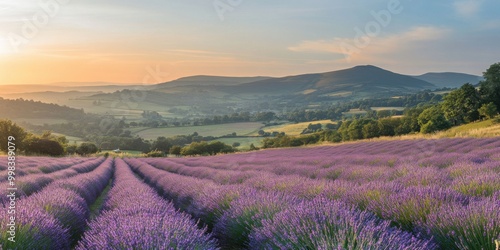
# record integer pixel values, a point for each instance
(210, 81)
(210, 93)
(449, 79)
(360, 79)
(19, 108)
(35, 88)
(50, 96)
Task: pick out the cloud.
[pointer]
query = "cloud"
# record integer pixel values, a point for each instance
(370, 46)
(467, 8)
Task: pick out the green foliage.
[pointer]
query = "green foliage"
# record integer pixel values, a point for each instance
(253, 147)
(488, 110)
(161, 144)
(41, 146)
(490, 87)
(388, 126)
(87, 149)
(175, 150)
(291, 141)
(8, 128)
(155, 153)
(432, 119)
(204, 148)
(371, 129)
(461, 105)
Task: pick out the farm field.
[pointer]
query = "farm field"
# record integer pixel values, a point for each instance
(400, 194)
(293, 129)
(243, 128)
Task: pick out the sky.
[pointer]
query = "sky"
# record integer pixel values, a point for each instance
(133, 41)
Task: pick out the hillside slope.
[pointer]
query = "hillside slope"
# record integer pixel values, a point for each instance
(449, 79)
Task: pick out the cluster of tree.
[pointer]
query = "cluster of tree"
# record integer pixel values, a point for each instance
(291, 141)
(313, 128)
(268, 134)
(206, 148)
(44, 144)
(336, 112)
(165, 144)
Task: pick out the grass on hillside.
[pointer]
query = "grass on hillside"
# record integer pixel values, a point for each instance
(479, 129)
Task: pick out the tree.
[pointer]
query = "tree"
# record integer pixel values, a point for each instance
(488, 110)
(236, 144)
(87, 148)
(432, 119)
(388, 126)
(371, 130)
(163, 144)
(41, 146)
(354, 130)
(253, 147)
(490, 87)
(175, 150)
(462, 105)
(8, 128)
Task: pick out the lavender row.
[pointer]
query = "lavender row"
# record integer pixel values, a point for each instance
(473, 179)
(135, 217)
(27, 185)
(237, 212)
(56, 217)
(409, 206)
(37, 165)
(388, 154)
(408, 194)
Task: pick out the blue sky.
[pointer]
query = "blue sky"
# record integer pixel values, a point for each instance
(117, 41)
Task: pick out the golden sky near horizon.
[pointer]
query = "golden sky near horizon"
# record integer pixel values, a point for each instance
(131, 41)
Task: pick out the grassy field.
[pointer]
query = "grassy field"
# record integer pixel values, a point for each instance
(354, 112)
(477, 129)
(481, 129)
(293, 129)
(388, 108)
(243, 128)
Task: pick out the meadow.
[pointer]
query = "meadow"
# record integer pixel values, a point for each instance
(399, 194)
(242, 128)
(293, 128)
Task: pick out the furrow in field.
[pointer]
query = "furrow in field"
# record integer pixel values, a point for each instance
(29, 184)
(56, 217)
(135, 217)
(236, 213)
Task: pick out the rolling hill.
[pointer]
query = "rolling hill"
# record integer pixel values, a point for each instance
(209, 81)
(358, 80)
(449, 79)
(208, 95)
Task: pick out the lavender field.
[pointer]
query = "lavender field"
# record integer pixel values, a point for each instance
(414, 194)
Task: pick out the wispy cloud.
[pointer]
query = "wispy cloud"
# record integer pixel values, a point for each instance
(467, 8)
(374, 45)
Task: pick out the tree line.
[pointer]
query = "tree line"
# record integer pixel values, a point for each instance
(464, 105)
(44, 144)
